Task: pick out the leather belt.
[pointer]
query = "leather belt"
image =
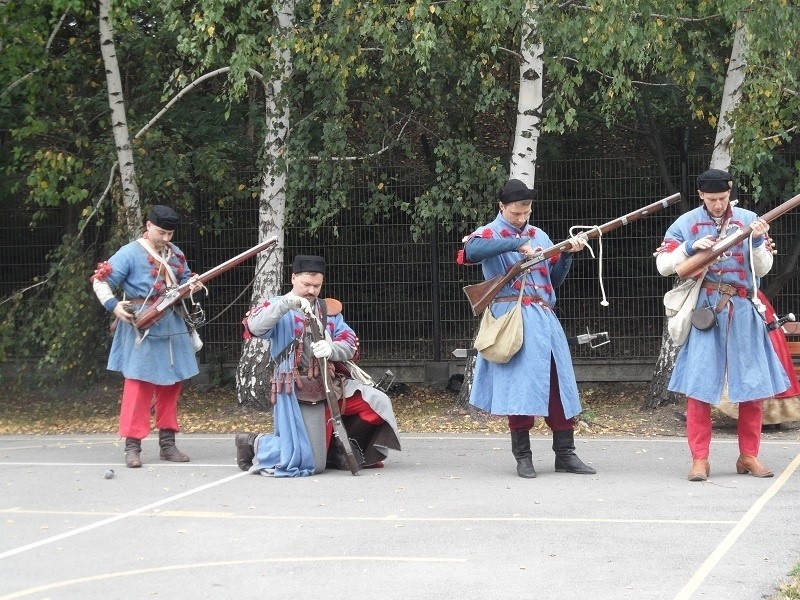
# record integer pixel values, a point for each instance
(727, 291)
(525, 300)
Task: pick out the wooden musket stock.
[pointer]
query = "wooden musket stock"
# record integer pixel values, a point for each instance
(480, 295)
(339, 431)
(155, 311)
(699, 261)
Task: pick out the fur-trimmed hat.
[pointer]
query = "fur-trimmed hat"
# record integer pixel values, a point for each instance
(714, 180)
(304, 263)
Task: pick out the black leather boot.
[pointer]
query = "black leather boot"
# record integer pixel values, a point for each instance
(521, 449)
(245, 450)
(566, 459)
(133, 450)
(166, 440)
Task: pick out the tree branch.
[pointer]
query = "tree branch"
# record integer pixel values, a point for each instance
(53, 33)
(385, 148)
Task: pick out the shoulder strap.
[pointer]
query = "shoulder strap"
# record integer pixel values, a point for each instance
(168, 274)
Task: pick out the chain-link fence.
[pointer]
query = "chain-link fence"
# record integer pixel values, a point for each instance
(404, 297)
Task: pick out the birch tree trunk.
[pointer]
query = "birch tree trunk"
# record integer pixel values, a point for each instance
(529, 101)
(253, 373)
(131, 219)
(731, 94)
(526, 132)
(657, 392)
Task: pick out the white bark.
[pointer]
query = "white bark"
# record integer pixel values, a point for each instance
(731, 94)
(530, 100)
(252, 374)
(116, 101)
(720, 159)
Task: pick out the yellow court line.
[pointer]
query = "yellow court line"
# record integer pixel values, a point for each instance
(228, 563)
(716, 556)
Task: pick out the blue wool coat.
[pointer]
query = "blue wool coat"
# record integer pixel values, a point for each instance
(165, 355)
(522, 385)
(287, 452)
(737, 348)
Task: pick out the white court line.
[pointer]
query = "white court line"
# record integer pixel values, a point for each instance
(116, 518)
(726, 544)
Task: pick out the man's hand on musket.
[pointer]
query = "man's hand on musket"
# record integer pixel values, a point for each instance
(704, 243)
(195, 284)
(759, 227)
(124, 311)
(528, 251)
(576, 244)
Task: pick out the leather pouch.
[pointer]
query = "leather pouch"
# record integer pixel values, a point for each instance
(704, 318)
(311, 390)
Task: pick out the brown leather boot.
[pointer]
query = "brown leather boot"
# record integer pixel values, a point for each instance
(749, 464)
(170, 452)
(133, 450)
(700, 470)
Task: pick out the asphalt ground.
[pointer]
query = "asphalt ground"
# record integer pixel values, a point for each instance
(446, 518)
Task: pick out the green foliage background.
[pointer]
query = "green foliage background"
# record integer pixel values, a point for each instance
(381, 84)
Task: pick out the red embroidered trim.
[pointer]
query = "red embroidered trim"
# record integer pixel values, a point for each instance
(668, 246)
(102, 271)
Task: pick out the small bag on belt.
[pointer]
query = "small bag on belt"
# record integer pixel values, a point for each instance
(704, 317)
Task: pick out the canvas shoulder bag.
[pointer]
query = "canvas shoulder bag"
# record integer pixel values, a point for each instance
(679, 302)
(500, 338)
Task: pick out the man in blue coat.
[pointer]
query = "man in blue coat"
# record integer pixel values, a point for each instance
(735, 353)
(539, 379)
(156, 364)
(367, 411)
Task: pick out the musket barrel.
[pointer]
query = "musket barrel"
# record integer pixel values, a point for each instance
(702, 259)
(480, 295)
(158, 309)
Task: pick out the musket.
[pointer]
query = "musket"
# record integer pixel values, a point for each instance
(480, 295)
(576, 340)
(339, 431)
(703, 258)
(157, 309)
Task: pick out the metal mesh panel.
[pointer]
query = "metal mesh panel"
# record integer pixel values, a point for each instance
(404, 298)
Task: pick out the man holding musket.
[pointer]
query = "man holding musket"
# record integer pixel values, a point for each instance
(733, 350)
(156, 362)
(539, 378)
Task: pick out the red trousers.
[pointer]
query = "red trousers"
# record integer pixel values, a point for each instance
(555, 419)
(138, 397)
(698, 427)
(354, 405)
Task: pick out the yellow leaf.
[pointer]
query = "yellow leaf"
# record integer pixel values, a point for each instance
(43, 184)
(210, 30)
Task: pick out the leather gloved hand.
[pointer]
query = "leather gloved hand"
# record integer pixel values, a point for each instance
(322, 349)
(296, 302)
